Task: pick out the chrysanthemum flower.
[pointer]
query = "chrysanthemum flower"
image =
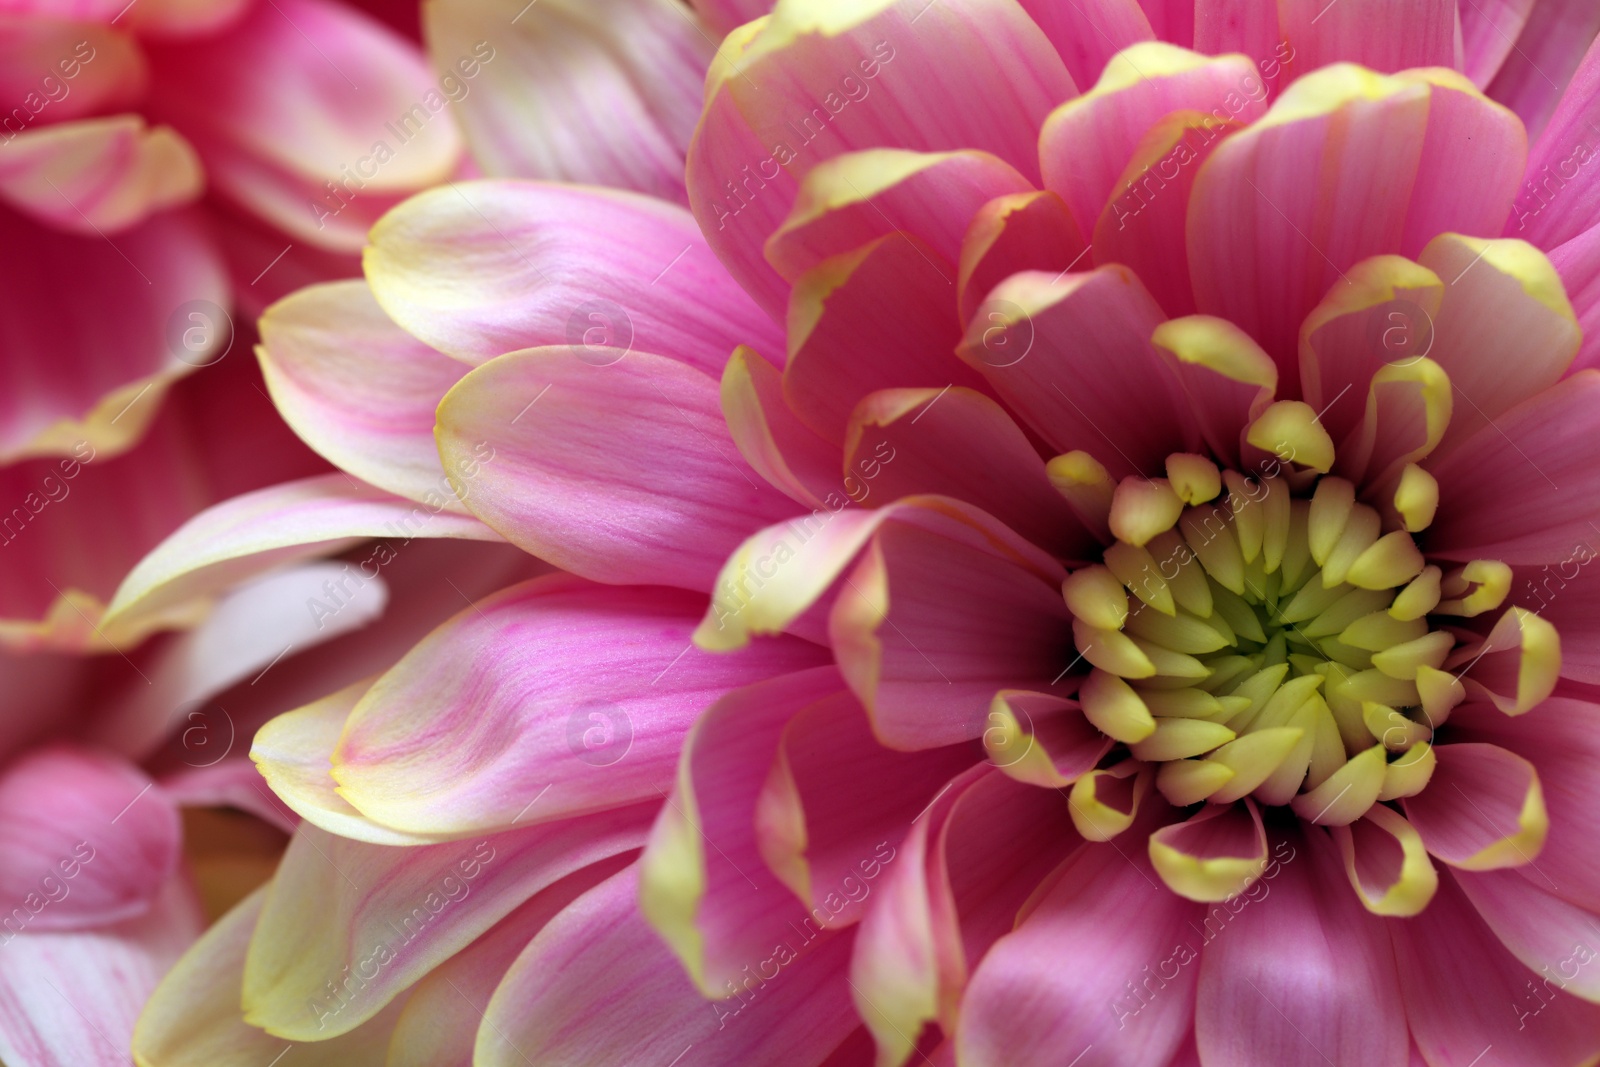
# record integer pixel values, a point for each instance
(1183, 651)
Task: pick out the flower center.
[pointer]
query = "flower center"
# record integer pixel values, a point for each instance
(1262, 636)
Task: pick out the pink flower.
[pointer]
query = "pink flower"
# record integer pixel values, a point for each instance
(1183, 650)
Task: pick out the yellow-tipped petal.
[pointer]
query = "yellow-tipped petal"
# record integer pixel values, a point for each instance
(1391, 561)
(1522, 845)
(1410, 774)
(1206, 878)
(1419, 597)
(1253, 758)
(1359, 534)
(1188, 781)
(1348, 793)
(1142, 508)
(1405, 659)
(1380, 630)
(1194, 478)
(1096, 596)
(1111, 650)
(1115, 709)
(1139, 571)
(1392, 729)
(1290, 430)
(1371, 847)
(1439, 692)
(1087, 487)
(1179, 633)
(1180, 739)
(1489, 580)
(1416, 498)
(1096, 819)
(1331, 503)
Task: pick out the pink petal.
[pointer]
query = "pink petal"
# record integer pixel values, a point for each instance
(1466, 996)
(358, 388)
(1369, 32)
(1553, 937)
(1528, 501)
(773, 440)
(468, 731)
(955, 888)
(928, 628)
(962, 444)
(790, 1012)
(837, 804)
(1331, 998)
(628, 73)
(253, 533)
(193, 1017)
(1475, 803)
(1086, 144)
(705, 901)
(624, 473)
(858, 197)
(72, 997)
(1489, 33)
(357, 85)
(844, 342)
(1074, 359)
(247, 631)
(96, 333)
(1027, 231)
(100, 68)
(1087, 35)
(1560, 198)
(797, 95)
(445, 1010)
(1143, 224)
(1471, 164)
(1553, 45)
(723, 15)
(337, 904)
(1263, 185)
(98, 176)
(1079, 976)
(779, 573)
(81, 842)
(1561, 738)
(1578, 263)
(483, 268)
(1248, 26)
(230, 783)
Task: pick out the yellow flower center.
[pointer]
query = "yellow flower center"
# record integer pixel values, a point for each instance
(1262, 636)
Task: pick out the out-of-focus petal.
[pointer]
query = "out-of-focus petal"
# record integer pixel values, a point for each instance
(619, 471)
(99, 328)
(1556, 39)
(72, 996)
(483, 268)
(444, 1012)
(600, 92)
(253, 533)
(193, 1017)
(304, 109)
(1089, 35)
(85, 839)
(395, 913)
(98, 176)
(1378, 34)
(54, 68)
